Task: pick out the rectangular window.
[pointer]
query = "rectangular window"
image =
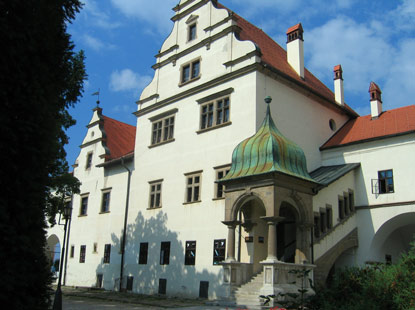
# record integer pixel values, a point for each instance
(341, 209)
(155, 194)
(88, 161)
(351, 201)
(190, 253)
(165, 253)
(214, 113)
(84, 205)
(105, 204)
(219, 188)
(95, 248)
(142, 259)
(190, 71)
(72, 252)
(193, 187)
(219, 251)
(346, 204)
(329, 217)
(82, 254)
(107, 254)
(316, 225)
(323, 220)
(191, 32)
(163, 130)
(385, 181)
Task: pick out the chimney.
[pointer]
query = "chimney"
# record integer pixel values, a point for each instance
(338, 85)
(375, 100)
(295, 49)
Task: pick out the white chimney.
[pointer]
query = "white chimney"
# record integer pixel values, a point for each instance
(295, 49)
(375, 100)
(338, 85)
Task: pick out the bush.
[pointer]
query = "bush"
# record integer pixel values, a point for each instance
(372, 287)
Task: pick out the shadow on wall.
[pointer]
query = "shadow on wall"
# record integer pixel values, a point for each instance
(180, 279)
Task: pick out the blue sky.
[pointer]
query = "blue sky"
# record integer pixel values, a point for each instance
(372, 40)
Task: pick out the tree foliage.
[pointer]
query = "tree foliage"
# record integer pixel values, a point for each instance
(41, 77)
(372, 287)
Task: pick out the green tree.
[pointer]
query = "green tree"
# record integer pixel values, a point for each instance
(41, 77)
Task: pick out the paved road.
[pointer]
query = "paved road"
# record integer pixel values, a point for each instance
(79, 303)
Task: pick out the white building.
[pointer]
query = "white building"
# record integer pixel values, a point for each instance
(310, 183)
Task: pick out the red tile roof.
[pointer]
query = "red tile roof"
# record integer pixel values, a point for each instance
(294, 28)
(120, 137)
(390, 123)
(276, 57)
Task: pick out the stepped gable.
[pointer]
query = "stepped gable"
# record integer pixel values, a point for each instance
(390, 123)
(268, 151)
(275, 56)
(120, 137)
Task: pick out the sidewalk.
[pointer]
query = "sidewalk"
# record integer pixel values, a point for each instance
(158, 301)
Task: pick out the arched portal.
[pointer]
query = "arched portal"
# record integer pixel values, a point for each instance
(393, 238)
(252, 233)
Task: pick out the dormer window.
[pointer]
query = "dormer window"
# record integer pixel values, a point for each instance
(190, 71)
(191, 35)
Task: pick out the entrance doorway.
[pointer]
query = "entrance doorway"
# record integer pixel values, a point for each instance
(287, 234)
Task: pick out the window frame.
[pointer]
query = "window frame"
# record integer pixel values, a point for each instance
(190, 253)
(191, 35)
(190, 67)
(88, 163)
(219, 258)
(82, 254)
(153, 194)
(164, 132)
(83, 210)
(107, 254)
(103, 200)
(383, 181)
(72, 251)
(143, 254)
(220, 188)
(223, 110)
(165, 253)
(192, 186)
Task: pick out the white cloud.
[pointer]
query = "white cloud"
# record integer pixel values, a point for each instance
(404, 16)
(363, 53)
(92, 42)
(156, 13)
(95, 16)
(128, 80)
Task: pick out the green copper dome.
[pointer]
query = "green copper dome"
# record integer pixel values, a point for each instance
(268, 151)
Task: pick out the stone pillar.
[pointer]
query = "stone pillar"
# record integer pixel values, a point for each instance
(303, 252)
(231, 240)
(272, 237)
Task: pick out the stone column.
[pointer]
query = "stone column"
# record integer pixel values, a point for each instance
(303, 252)
(272, 237)
(231, 240)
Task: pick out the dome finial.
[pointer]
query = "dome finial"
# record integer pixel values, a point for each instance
(268, 99)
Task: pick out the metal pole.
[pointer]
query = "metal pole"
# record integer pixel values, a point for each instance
(57, 301)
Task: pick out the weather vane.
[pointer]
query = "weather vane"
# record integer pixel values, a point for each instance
(97, 94)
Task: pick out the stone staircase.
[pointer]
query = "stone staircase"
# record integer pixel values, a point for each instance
(247, 295)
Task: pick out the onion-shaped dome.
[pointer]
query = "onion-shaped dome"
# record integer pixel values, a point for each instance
(268, 151)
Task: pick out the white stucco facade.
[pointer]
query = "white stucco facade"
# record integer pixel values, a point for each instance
(166, 189)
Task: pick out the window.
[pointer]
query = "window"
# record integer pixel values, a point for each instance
(84, 205)
(346, 204)
(329, 217)
(190, 253)
(193, 187)
(385, 181)
(316, 225)
(214, 113)
(165, 253)
(341, 209)
(190, 71)
(191, 32)
(163, 130)
(219, 251)
(323, 220)
(107, 253)
(88, 161)
(219, 188)
(155, 194)
(72, 252)
(95, 248)
(105, 204)
(82, 253)
(351, 201)
(142, 259)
